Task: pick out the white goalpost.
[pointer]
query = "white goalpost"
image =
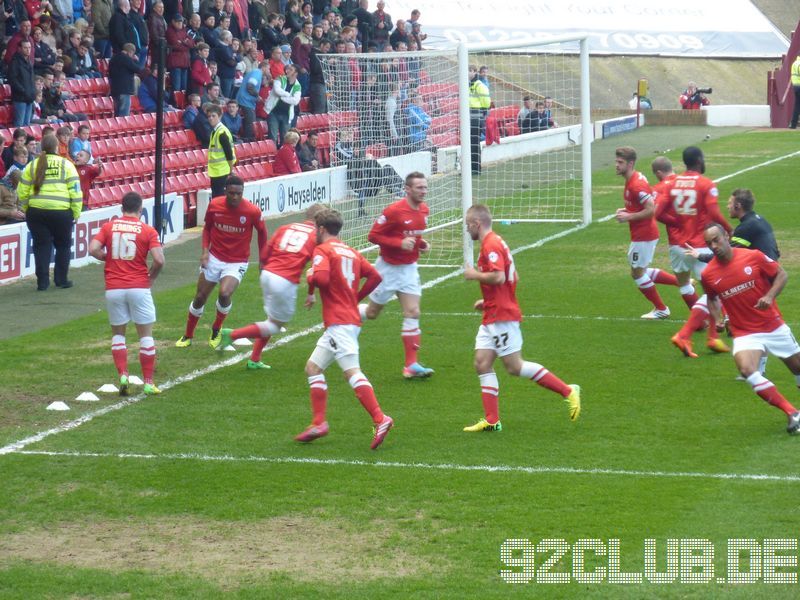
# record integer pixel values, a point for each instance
(398, 112)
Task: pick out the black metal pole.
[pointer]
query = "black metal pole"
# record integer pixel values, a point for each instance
(158, 220)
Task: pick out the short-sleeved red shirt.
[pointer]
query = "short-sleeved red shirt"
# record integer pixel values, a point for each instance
(227, 232)
(397, 221)
(637, 192)
(694, 200)
(127, 242)
(346, 267)
(739, 284)
(499, 301)
(290, 248)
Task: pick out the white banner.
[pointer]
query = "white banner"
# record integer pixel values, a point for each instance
(16, 245)
(711, 28)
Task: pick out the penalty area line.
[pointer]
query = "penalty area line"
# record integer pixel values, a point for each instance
(527, 470)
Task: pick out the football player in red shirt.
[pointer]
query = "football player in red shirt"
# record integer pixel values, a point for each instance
(499, 334)
(639, 213)
(288, 251)
(228, 230)
(747, 282)
(124, 245)
(398, 232)
(337, 270)
(694, 201)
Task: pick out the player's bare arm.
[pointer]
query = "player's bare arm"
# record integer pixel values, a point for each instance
(409, 243)
(96, 250)
(648, 210)
(490, 278)
(781, 277)
(157, 255)
(204, 258)
(478, 305)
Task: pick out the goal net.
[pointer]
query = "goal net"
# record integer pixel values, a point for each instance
(399, 112)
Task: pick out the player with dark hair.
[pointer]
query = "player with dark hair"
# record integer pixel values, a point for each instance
(337, 271)
(694, 199)
(499, 334)
(288, 252)
(228, 230)
(638, 213)
(747, 282)
(398, 232)
(124, 245)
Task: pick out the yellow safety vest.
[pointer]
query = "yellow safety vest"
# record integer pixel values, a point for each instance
(217, 163)
(479, 95)
(61, 189)
(796, 72)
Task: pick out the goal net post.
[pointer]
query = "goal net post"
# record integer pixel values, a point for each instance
(395, 113)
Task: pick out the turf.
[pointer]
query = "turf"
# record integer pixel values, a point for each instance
(202, 493)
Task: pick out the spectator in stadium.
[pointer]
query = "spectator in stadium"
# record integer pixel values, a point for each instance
(148, 91)
(212, 95)
(87, 172)
(101, 15)
(24, 34)
(301, 56)
(644, 103)
(308, 154)
(535, 120)
(276, 68)
(286, 162)
(137, 19)
(318, 91)
(9, 202)
(207, 30)
(33, 147)
(249, 97)
(381, 26)
(121, 70)
(399, 34)
(178, 59)
(17, 141)
(51, 204)
(395, 120)
(232, 119)
(193, 29)
(221, 154)
(226, 63)
(524, 115)
(294, 18)
(202, 128)
(250, 60)
(83, 63)
(419, 122)
(19, 162)
(272, 36)
(23, 89)
(37, 118)
(44, 55)
(692, 99)
(235, 26)
(127, 282)
(201, 75)
(257, 13)
(81, 143)
(796, 88)
(479, 102)
(121, 29)
(64, 137)
(191, 111)
(283, 98)
(548, 107)
(286, 56)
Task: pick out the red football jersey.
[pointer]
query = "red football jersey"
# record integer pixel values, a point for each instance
(228, 232)
(637, 192)
(290, 248)
(664, 203)
(345, 267)
(399, 221)
(87, 175)
(739, 284)
(499, 301)
(127, 242)
(694, 200)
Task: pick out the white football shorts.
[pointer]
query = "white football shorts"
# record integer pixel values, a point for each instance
(640, 254)
(134, 304)
(216, 269)
(780, 343)
(682, 262)
(280, 296)
(504, 337)
(339, 343)
(396, 278)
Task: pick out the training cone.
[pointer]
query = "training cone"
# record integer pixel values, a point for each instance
(242, 342)
(58, 405)
(108, 388)
(134, 380)
(87, 397)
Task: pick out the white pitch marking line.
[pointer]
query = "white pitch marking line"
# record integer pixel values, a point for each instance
(19, 445)
(423, 466)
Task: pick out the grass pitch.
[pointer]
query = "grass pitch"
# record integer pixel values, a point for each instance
(201, 492)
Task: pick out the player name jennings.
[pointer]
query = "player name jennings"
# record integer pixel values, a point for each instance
(685, 560)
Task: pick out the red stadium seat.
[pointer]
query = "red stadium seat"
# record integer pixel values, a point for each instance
(6, 115)
(443, 140)
(180, 99)
(444, 124)
(377, 150)
(260, 130)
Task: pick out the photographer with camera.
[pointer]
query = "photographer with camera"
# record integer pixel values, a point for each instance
(693, 98)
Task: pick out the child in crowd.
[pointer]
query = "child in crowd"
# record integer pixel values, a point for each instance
(64, 135)
(81, 143)
(20, 160)
(87, 173)
(232, 119)
(191, 110)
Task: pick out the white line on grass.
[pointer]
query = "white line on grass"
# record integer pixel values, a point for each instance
(19, 445)
(529, 470)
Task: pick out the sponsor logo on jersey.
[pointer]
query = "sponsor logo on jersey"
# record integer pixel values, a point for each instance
(738, 289)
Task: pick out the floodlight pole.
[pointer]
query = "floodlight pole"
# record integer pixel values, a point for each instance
(158, 220)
